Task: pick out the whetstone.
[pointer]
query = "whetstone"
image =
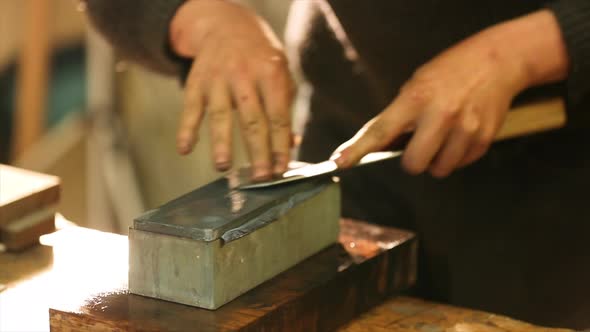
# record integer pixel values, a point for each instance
(28, 202)
(211, 245)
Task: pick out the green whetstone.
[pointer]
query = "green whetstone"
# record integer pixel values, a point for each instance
(213, 244)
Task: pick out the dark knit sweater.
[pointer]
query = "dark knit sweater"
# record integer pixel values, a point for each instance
(391, 36)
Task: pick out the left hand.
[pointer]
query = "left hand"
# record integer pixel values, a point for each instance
(456, 103)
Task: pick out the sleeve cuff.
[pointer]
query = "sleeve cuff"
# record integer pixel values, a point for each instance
(573, 17)
(139, 31)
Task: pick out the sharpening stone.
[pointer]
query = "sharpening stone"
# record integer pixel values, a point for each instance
(213, 244)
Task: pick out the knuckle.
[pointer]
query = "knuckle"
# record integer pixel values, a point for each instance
(280, 123)
(450, 112)
(218, 114)
(274, 69)
(419, 90)
(470, 126)
(237, 67)
(377, 131)
(254, 125)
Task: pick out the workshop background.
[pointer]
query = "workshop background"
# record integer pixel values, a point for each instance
(104, 126)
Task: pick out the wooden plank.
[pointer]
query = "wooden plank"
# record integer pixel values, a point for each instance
(27, 206)
(23, 192)
(29, 120)
(405, 314)
(22, 237)
(45, 273)
(319, 294)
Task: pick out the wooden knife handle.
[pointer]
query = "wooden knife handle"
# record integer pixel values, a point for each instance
(522, 120)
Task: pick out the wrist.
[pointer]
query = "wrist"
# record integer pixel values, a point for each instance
(534, 47)
(189, 26)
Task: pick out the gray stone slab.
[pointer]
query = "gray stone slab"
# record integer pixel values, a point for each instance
(208, 274)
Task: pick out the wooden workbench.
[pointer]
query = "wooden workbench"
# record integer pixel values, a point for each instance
(37, 277)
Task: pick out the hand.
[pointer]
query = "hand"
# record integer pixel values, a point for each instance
(456, 103)
(238, 63)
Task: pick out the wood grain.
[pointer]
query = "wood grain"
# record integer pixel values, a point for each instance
(370, 264)
(20, 239)
(532, 118)
(23, 192)
(34, 272)
(405, 314)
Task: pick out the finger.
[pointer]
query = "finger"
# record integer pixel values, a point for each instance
(483, 140)
(220, 124)
(277, 94)
(191, 116)
(431, 133)
(478, 148)
(454, 150)
(254, 128)
(374, 135)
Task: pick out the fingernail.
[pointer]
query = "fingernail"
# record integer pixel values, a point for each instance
(183, 148)
(222, 165)
(439, 172)
(260, 173)
(339, 159)
(279, 169)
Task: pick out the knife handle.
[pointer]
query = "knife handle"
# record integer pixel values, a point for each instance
(522, 120)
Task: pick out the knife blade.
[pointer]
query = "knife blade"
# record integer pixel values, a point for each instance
(523, 120)
(304, 171)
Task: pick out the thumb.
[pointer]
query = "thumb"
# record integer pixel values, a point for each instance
(373, 136)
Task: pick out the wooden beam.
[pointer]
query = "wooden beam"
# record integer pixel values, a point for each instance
(32, 76)
(321, 293)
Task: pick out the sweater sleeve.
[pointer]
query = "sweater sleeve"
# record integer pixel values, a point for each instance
(138, 29)
(574, 19)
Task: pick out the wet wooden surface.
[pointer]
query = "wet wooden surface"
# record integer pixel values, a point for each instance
(376, 263)
(406, 314)
(63, 275)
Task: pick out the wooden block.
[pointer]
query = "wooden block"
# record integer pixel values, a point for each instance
(23, 192)
(28, 201)
(185, 257)
(321, 293)
(21, 235)
(407, 314)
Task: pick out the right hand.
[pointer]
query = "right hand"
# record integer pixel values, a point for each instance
(238, 63)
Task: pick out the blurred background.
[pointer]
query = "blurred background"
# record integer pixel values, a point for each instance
(70, 107)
